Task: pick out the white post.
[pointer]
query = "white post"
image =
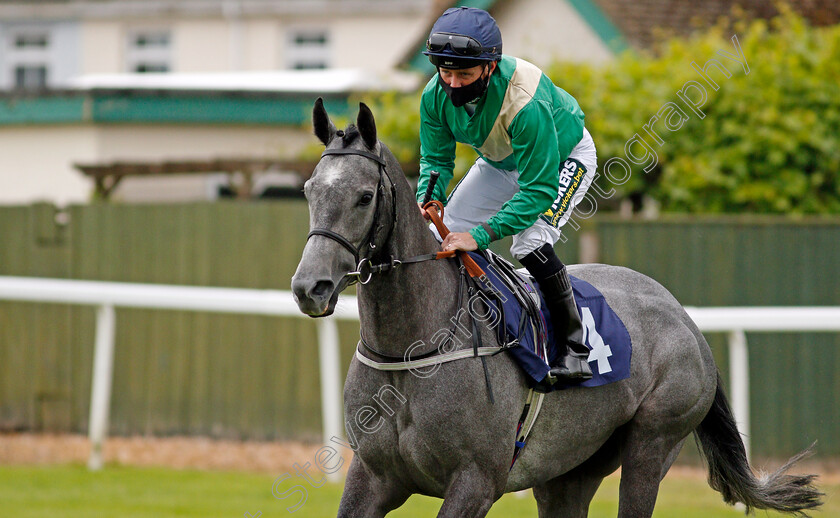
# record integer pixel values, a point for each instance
(100, 394)
(739, 380)
(331, 412)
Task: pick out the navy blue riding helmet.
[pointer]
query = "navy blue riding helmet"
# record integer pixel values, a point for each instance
(464, 37)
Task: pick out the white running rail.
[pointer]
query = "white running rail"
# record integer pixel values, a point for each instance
(736, 321)
(105, 296)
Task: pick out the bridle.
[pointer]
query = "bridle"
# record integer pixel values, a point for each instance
(364, 270)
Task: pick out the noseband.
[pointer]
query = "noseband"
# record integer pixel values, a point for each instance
(364, 270)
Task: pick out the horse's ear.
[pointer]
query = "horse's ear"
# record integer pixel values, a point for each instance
(324, 128)
(366, 125)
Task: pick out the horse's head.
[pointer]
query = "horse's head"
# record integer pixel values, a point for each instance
(351, 207)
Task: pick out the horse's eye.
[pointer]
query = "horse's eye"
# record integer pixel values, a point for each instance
(366, 199)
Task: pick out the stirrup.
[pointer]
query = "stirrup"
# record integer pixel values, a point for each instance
(571, 368)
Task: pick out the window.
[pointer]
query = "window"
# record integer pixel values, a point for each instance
(31, 41)
(29, 56)
(38, 55)
(30, 77)
(149, 51)
(145, 40)
(151, 67)
(316, 39)
(309, 49)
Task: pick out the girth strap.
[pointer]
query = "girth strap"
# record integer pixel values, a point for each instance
(426, 362)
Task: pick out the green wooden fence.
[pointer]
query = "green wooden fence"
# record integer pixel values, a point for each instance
(257, 377)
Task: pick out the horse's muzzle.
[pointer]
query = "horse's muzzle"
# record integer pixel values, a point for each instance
(316, 298)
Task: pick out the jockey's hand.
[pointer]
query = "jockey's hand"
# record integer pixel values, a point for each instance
(459, 241)
(423, 212)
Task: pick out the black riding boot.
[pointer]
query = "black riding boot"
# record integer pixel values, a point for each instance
(572, 364)
(550, 273)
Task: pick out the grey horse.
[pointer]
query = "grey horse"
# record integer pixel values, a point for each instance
(440, 435)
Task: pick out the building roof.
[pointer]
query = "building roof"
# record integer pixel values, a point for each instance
(586, 9)
(636, 23)
(17, 9)
(162, 107)
(316, 81)
(254, 98)
(640, 20)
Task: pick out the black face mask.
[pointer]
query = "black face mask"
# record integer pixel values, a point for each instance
(464, 94)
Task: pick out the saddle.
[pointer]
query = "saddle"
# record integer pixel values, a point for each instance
(518, 314)
(525, 330)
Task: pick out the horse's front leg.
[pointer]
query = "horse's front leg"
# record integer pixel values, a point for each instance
(471, 494)
(366, 495)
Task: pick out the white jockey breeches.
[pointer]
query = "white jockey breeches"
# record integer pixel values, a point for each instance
(484, 189)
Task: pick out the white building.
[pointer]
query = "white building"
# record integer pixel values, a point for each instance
(46, 43)
(153, 81)
(218, 82)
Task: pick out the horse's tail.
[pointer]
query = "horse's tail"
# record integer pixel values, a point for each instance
(730, 473)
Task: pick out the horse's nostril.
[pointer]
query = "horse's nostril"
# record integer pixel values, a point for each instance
(298, 290)
(322, 290)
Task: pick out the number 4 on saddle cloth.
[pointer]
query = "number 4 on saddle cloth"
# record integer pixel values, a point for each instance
(524, 327)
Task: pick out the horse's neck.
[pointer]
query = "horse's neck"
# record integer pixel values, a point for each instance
(413, 301)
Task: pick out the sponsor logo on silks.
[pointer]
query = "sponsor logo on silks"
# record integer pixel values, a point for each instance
(570, 177)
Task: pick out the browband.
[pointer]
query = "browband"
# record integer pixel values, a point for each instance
(351, 151)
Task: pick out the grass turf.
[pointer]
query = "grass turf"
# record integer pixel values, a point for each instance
(71, 491)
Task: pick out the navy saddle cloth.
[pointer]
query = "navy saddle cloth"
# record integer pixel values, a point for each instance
(604, 333)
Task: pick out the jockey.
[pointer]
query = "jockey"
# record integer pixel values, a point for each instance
(536, 160)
